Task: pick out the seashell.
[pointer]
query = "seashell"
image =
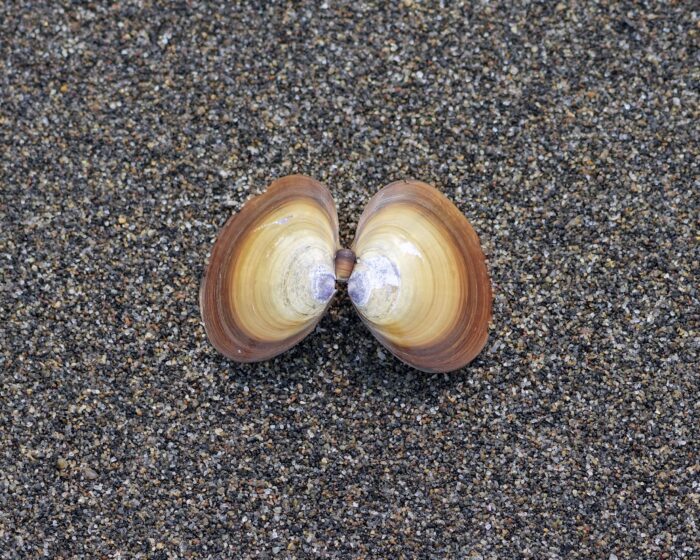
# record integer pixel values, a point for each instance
(420, 282)
(271, 274)
(415, 273)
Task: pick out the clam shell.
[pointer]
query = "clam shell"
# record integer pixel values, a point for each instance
(420, 282)
(271, 274)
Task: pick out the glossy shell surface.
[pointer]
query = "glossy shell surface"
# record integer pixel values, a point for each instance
(420, 282)
(271, 273)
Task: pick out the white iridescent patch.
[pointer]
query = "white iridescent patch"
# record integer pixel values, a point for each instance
(374, 285)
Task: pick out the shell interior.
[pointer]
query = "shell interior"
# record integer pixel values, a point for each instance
(420, 282)
(271, 274)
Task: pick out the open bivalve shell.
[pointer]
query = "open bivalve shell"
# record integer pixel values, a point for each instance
(271, 274)
(420, 282)
(415, 273)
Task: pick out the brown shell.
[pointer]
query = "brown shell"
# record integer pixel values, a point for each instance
(420, 282)
(251, 306)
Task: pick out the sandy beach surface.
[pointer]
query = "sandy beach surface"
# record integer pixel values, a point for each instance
(566, 132)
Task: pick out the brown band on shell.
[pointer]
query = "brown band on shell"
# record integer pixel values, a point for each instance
(344, 263)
